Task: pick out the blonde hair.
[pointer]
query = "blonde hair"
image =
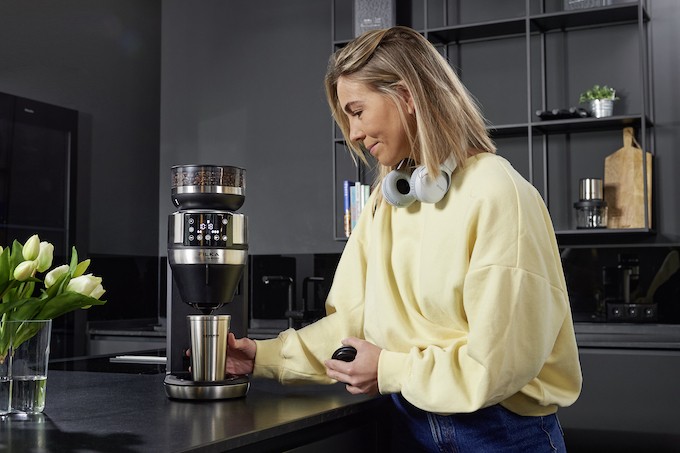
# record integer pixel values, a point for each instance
(447, 119)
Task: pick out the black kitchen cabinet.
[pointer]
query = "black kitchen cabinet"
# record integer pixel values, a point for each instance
(38, 143)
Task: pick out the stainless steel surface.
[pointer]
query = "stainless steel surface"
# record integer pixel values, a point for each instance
(144, 359)
(601, 108)
(590, 189)
(209, 189)
(239, 229)
(179, 387)
(207, 256)
(208, 346)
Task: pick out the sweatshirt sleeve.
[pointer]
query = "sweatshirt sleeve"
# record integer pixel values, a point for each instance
(515, 304)
(297, 356)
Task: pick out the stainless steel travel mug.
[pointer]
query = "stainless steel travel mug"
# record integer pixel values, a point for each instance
(208, 346)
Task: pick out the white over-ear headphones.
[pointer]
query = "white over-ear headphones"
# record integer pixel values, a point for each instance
(401, 188)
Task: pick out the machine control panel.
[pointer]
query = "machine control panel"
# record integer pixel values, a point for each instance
(206, 229)
(632, 312)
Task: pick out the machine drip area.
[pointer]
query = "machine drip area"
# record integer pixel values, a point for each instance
(207, 254)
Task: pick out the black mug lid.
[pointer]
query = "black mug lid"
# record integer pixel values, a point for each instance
(590, 204)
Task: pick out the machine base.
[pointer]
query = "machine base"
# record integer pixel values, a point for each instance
(181, 386)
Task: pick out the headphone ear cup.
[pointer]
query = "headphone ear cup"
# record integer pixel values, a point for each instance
(426, 189)
(397, 189)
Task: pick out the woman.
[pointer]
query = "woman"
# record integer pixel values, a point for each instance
(450, 288)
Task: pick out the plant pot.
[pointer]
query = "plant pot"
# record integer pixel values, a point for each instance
(601, 108)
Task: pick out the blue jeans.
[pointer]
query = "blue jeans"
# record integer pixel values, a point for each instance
(492, 429)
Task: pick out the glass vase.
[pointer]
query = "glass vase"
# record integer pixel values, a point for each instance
(29, 351)
(5, 394)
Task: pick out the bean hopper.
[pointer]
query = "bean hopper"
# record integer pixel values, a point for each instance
(207, 254)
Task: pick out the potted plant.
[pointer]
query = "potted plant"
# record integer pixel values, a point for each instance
(601, 100)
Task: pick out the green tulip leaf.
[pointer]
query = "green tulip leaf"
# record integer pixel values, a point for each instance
(66, 302)
(11, 305)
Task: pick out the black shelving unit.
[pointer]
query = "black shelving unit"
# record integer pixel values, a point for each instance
(533, 31)
(566, 126)
(477, 31)
(589, 17)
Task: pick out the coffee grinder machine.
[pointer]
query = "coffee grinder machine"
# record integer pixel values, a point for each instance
(207, 256)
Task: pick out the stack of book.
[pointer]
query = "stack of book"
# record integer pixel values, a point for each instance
(356, 195)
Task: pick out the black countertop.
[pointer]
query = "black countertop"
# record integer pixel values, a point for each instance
(126, 413)
(628, 335)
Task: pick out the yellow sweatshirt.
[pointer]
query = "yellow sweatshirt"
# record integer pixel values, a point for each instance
(466, 297)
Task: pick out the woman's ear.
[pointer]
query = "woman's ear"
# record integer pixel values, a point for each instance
(408, 99)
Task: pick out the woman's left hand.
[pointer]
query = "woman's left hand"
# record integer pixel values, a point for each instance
(360, 375)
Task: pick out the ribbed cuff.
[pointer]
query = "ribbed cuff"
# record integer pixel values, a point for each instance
(392, 371)
(268, 358)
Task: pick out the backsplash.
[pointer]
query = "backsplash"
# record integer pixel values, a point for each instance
(648, 276)
(136, 288)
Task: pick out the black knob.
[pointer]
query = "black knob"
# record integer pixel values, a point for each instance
(345, 353)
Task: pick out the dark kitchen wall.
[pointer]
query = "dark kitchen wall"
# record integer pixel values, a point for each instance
(101, 58)
(242, 84)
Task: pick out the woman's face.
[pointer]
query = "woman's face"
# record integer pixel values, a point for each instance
(374, 121)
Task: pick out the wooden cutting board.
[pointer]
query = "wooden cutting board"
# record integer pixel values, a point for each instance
(624, 186)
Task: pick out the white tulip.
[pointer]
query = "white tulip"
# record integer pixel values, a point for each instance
(55, 274)
(24, 270)
(45, 256)
(31, 248)
(85, 284)
(97, 292)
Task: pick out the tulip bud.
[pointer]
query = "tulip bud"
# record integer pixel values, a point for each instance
(31, 248)
(45, 256)
(85, 284)
(24, 270)
(55, 274)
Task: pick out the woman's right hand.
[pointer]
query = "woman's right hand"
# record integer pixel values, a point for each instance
(240, 355)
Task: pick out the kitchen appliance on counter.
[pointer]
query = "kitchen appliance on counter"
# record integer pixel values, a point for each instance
(622, 292)
(207, 256)
(591, 209)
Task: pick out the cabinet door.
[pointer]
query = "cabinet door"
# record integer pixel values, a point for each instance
(628, 402)
(6, 111)
(38, 193)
